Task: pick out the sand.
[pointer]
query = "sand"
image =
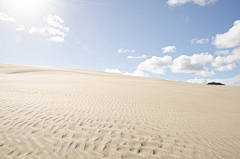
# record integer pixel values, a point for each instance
(49, 112)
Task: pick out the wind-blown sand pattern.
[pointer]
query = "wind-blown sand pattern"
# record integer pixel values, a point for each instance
(48, 112)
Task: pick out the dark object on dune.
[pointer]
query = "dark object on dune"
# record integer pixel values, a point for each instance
(215, 83)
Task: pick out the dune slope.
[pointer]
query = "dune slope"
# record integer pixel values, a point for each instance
(49, 112)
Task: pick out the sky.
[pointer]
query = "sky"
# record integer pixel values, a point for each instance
(195, 41)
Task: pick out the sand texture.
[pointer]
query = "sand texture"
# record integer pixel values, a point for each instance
(51, 113)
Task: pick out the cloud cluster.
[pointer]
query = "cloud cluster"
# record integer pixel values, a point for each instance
(5, 17)
(199, 41)
(198, 80)
(122, 50)
(137, 57)
(190, 64)
(222, 52)
(135, 73)
(229, 59)
(56, 21)
(45, 31)
(234, 81)
(54, 28)
(196, 63)
(113, 71)
(174, 3)
(205, 73)
(228, 67)
(155, 64)
(169, 49)
(229, 39)
(224, 61)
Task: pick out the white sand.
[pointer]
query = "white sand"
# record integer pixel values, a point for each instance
(48, 112)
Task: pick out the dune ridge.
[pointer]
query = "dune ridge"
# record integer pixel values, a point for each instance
(58, 113)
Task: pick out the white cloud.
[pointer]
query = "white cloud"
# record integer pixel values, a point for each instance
(120, 50)
(113, 71)
(20, 28)
(189, 64)
(205, 73)
(199, 41)
(199, 81)
(47, 31)
(155, 63)
(173, 3)
(218, 61)
(137, 57)
(234, 81)
(169, 49)
(234, 56)
(229, 39)
(183, 64)
(55, 32)
(38, 30)
(5, 17)
(228, 67)
(56, 39)
(54, 28)
(137, 73)
(54, 18)
(125, 50)
(201, 58)
(158, 71)
(222, 52)
(56, 21)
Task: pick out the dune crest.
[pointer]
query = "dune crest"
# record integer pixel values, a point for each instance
(49, 112)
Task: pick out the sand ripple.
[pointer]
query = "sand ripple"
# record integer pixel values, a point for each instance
(69, 113)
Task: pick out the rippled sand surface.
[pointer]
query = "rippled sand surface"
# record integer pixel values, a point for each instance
(49, 112)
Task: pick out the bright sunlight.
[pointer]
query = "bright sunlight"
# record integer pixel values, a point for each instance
(26, 6)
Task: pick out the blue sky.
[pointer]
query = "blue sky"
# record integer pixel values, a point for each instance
(186, 40)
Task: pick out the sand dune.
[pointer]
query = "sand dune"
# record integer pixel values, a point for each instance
(49, 112)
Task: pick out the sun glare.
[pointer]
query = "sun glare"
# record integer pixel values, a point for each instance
(26, 6)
